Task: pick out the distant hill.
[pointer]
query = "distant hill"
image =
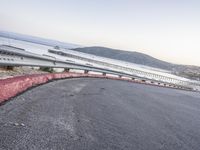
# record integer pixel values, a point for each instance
(37, 40)
(192, 72)
(133, 57)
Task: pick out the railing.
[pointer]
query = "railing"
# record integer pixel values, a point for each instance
(111, 63)
(14, 56)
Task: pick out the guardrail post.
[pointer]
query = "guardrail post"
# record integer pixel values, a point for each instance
(67, 69)
(86, 71)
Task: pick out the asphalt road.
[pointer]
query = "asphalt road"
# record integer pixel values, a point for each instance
(99, 114)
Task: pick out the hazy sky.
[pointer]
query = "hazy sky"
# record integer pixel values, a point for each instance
(165, 29)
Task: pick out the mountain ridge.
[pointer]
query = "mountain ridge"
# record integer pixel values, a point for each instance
(129, 56)
(188, 71)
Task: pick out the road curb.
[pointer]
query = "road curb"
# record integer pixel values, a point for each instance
(11, 87)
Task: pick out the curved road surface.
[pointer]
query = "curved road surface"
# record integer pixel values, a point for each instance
(99, 114)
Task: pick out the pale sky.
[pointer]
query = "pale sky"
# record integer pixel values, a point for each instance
(165, 29)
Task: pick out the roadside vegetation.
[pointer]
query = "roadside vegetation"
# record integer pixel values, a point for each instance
(47, 69)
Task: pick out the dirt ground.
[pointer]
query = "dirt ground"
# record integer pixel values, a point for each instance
(17, 71)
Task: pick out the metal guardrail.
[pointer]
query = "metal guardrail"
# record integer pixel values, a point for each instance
(111, 63)
(14, 56)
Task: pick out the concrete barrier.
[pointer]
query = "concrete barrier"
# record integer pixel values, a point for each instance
(10, 87)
